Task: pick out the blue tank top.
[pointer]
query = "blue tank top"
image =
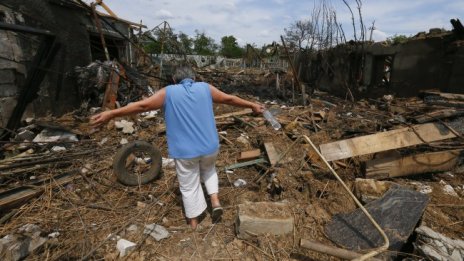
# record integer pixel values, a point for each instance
(190, 125)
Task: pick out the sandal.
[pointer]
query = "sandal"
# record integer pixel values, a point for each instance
(216, 214)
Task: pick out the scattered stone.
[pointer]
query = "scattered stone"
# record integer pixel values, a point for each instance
(243, 140)
(113, 237)
(149, 114)
(94, 110)
(123, 141)
(132, 228)
(126, 126)
(263, 217)
(424, 189)
(141, 204)
(53, 235)
(165, 220)
(437, 247)
(19, 245)
(240, 183)
(448, 189)
(25, 135)
(168, 163)
(53, 135)
(58, 148)
(156, 231)
(368, 190)
(103, 141)
(124, 246)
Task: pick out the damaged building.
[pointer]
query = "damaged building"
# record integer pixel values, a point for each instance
(41, 44)
(432, 60)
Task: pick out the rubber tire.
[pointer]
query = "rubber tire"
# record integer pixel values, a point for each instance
(119, 163)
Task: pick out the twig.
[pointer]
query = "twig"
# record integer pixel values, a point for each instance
(259, 249)
(323, 190)
(209, 231)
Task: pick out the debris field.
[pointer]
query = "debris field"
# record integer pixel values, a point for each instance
(65, 185)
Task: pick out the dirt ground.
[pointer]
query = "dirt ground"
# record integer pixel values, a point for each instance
(89, 213)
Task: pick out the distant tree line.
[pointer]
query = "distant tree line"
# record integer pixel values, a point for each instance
(165, 40)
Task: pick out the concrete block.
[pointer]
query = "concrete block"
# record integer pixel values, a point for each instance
(263, 217)
(156, 231)
(124, 246)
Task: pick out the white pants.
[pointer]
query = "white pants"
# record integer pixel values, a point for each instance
(189, 174)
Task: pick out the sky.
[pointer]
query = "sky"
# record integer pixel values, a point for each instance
(263, 21)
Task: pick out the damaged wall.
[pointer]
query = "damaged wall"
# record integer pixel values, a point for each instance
(78, 42)
(12, 68)
(427, 61)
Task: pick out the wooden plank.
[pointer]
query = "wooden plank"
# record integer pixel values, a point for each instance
(440, 114)
(330, 250)
(456, 104)
(271, 153)
(249, 155)
(394, 139)
(398, 166)
(21, 195)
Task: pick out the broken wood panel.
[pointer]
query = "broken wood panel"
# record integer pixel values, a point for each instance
(249, 155)
(398, 166)
(383, 141)
(21, 195)
(271, 153)
(17, 196)
(441, 114)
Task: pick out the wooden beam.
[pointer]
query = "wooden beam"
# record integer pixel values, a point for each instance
(451, 96)
(398, 166)
(249, 155)
(383, 141)
(18, 196)
(440, 114)
(271, 153)
(330, 250)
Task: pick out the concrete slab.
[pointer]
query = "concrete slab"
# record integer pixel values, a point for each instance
(254, 219)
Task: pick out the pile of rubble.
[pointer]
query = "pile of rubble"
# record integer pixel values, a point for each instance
(60, 198)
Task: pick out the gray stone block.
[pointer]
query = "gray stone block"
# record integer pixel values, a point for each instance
(254, 219)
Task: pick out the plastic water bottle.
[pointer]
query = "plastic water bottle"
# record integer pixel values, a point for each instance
(274, 123)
